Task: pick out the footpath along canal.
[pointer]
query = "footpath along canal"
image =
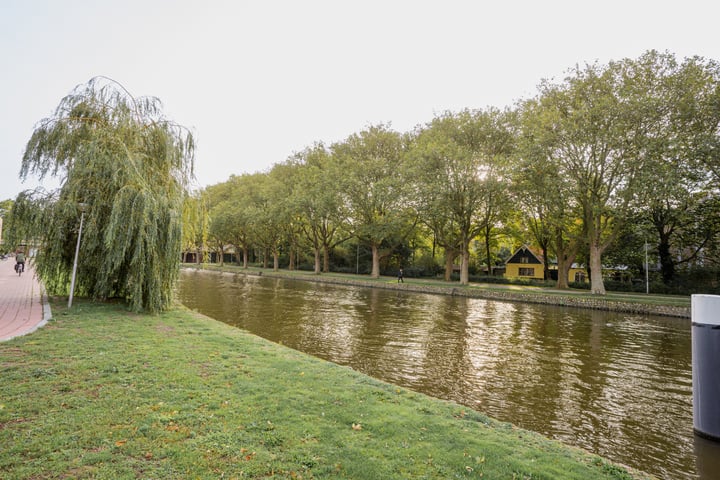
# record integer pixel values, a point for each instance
(616, 384)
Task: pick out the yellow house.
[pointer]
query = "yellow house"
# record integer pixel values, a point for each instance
(525, 264)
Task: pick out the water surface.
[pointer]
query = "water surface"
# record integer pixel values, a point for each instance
(618, 385)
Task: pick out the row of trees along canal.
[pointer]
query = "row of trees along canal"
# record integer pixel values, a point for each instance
(613, 152)
(613, 156)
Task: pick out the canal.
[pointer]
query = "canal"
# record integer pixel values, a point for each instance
(618, 385)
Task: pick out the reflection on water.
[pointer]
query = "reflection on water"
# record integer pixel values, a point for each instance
(618, 385)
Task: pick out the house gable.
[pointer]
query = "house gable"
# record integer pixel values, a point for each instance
(525, 256)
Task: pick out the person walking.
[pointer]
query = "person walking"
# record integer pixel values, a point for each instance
(400, 276)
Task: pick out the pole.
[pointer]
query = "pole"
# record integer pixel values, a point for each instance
(77, 251)
(647, 274)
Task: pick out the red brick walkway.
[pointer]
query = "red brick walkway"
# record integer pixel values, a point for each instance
(23, 307)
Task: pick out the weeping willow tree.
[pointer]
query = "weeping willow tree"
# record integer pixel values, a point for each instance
(130, 168)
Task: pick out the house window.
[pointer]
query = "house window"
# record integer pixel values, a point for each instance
(527, 272)
(524, 260)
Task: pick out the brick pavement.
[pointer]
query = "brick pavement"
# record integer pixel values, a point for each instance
(23, 304)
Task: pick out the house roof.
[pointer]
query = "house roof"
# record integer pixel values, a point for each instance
(525, 252)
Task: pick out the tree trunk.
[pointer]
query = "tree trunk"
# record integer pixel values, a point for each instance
(487, 252)
(291, 265)
(597, 286)
(317, 261)
(449, 260)
(245, 257)
(375, 262)
(465, 265)
(564, 265)
(326, 258)
(667, 265)
(276, 260)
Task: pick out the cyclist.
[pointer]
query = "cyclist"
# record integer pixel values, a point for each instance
(19, 262)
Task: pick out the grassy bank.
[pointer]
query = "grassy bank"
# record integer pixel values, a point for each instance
(667, 305)
(106, 394)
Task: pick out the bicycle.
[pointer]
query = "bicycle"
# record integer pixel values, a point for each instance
(19, 268)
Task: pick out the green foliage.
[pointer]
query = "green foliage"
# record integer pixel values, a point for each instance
(375, 187)
(131, 167)
(458, 168)
(630, 145)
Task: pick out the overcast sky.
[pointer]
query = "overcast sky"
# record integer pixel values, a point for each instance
(257, 81)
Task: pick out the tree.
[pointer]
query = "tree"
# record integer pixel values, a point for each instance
(595, 125)
(132, 167)
(231, 203)
(265, 208)
(317, 194)
(374, 188)
(458, 162)
(286, 212)
(194, 226)
(681, 107)
(6, 222)
(546, 196)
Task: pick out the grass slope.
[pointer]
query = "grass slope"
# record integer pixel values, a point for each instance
(106, 394)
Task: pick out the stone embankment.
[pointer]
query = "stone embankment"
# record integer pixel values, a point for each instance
(540, 296)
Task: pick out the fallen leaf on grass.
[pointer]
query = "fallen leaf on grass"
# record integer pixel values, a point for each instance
(356, 426)
(120, 443)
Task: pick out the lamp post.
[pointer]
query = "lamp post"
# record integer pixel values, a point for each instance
(647, 274)
(82, 207)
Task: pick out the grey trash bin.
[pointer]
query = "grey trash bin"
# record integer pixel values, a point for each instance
(706, 365)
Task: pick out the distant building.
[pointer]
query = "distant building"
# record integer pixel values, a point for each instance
(524, 263)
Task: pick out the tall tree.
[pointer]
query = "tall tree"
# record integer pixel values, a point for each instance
(375, 187)
(595, 129)
(231, 203)
(545, 195)
(458, 160)
(267, 214)
(285, 210)
(317, 193)
(680, 101)
(195, 225)
(132, 167)
(6, 222)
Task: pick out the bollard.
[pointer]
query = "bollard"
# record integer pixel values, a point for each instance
(706, 365)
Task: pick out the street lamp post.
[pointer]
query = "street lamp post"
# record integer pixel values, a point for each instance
(83, 207)
(647, 273)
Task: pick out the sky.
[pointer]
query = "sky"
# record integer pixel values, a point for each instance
(256, 81)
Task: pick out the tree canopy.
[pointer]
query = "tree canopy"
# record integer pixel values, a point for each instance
(607, 158)
(131, 168)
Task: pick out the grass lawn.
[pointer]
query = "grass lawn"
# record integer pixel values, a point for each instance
(103, 393)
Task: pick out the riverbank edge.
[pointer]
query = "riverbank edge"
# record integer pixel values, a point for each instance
(516, 294)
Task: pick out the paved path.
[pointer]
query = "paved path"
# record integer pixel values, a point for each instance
(23, 305)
